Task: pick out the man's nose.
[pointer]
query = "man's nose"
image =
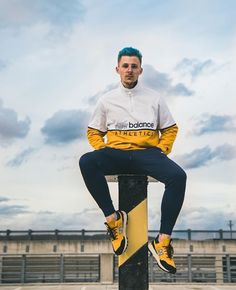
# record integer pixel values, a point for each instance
(129, 68)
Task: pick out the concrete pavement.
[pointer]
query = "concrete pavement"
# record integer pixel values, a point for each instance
(115, 287)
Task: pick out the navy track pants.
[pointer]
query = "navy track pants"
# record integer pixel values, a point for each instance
(153, 162)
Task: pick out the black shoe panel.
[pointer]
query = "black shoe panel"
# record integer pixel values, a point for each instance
(121, 249)
(169, 268)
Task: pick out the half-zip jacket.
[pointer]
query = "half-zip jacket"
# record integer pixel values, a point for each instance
(132, 119)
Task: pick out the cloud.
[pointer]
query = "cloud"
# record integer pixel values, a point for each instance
(163, 83)
(10, 211)
(10, 126)
(79, 220)
(93, 99)
(17, 13)
(48, 220)
(65, 126)
(203, 156)
(195, 67)
(196, 218)
(204, 218)
(214, 123)
(4, 199)
(20, 158)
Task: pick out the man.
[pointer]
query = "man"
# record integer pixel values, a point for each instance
(132, 131)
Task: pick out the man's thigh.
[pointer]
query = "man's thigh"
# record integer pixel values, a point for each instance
(155, 163)
(112, 161)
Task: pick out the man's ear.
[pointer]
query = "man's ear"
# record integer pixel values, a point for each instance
(117, 69)
(141, 71)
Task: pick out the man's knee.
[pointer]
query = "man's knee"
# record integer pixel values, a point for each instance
(177, 175)
(181, 175)
(85, 160)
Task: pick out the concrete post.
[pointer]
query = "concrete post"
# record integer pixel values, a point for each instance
(106, 268)
(219, 269)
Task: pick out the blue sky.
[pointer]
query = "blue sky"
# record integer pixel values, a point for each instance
(58, 57)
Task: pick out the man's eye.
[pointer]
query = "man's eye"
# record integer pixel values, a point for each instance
(133, 66)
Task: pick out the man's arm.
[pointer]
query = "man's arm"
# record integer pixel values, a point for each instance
(95, 138)
(97, 128)
(167, 138)
(167, 128)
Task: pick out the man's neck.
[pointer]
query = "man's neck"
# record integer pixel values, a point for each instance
(130, 86)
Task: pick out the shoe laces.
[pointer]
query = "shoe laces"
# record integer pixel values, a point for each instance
(112, 232)
(167, 250)
(170, 251)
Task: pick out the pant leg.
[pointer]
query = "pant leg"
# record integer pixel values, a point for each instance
(94, 166)
(155, 163)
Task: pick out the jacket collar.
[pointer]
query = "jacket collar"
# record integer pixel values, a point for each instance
(133, 90)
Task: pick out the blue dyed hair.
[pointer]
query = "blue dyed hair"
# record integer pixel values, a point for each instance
(130, 51)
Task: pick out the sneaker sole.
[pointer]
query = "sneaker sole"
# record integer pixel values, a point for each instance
(155, 255)
(125, 220)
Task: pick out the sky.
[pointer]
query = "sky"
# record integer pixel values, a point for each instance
(58, 57)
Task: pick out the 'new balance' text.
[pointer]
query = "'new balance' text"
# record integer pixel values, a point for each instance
(141, 125)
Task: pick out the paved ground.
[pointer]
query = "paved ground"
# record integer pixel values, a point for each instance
(115, 287)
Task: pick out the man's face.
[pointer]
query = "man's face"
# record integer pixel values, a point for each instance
(129, 69)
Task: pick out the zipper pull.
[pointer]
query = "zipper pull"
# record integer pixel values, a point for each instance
(131, 101)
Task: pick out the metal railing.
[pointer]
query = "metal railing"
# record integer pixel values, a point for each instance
(51, 268)
(101, 234)
(29, 268)
(192, 268)
(198, 269)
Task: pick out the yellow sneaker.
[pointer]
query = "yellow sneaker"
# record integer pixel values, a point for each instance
(163, 253)
(117, 231)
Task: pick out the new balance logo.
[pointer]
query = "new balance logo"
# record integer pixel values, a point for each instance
(160, 252)
(141, 125)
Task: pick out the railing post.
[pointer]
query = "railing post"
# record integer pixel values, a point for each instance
(221, 234)
(56, 232)
(30, 234)
(61, 268)
(189, 234)
(228, 268)
(82, 240)
(8, 232)
(133, 263)
(83, 234)
(23, 268)
(190, 277)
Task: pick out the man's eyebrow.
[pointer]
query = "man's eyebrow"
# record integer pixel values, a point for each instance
(126, 63)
